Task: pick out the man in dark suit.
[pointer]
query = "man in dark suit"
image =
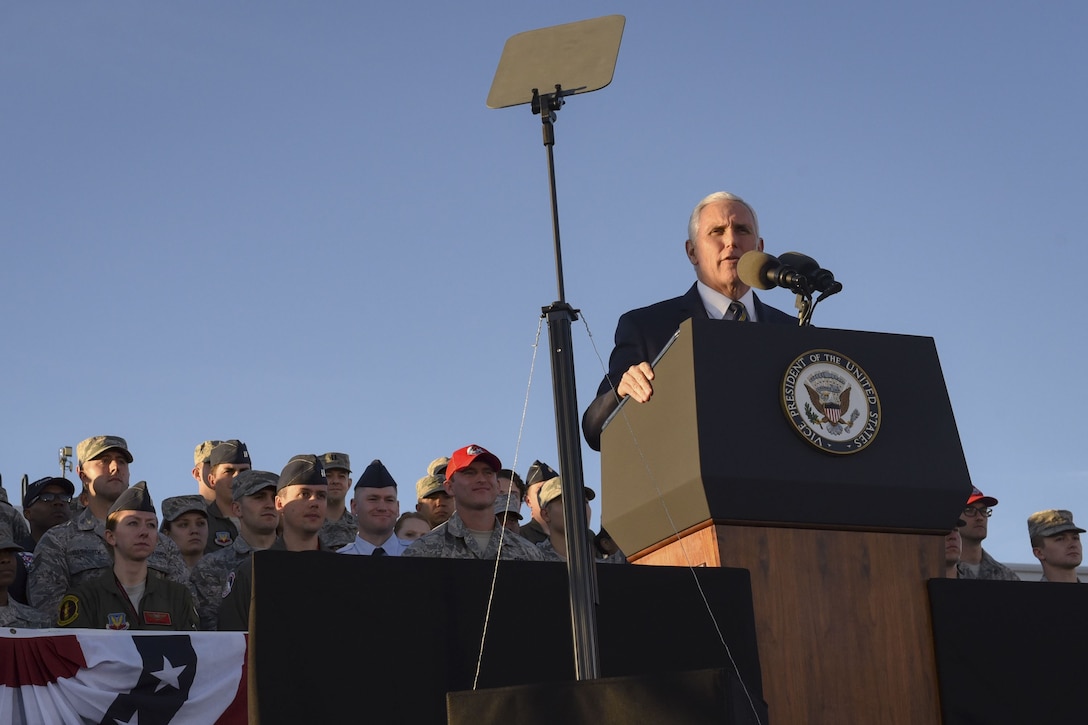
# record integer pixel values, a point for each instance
(722, 227)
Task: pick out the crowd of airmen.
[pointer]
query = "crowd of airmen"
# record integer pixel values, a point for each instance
(108, 558)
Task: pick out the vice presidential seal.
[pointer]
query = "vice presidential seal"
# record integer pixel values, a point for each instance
(831, 402)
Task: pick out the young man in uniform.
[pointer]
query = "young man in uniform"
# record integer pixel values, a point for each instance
(340, 524)
(254, 506)
(226, 461)
(376, 509)
(473, 531)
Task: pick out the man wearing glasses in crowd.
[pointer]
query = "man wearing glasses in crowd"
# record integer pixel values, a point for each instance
(975, 563)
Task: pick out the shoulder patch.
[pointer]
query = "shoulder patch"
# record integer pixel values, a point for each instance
(228, 585)
(222, 538)
(68, 611)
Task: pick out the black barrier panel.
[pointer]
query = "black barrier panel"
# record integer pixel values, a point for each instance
(1010, 652)
(383, 639)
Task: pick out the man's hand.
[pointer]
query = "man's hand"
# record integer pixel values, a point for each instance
(636, 382)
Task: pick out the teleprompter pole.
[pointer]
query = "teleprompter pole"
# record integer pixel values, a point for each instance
(581, 568)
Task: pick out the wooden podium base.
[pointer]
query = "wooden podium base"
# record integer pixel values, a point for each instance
(842, 617)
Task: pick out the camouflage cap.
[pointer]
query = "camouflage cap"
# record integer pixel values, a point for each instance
(376, 475)
(252, 481)
(95, 446)
(553, 489)
(302, 470)
(538, 473)
(232, 451)
(508, 503)
(336, 460)
(1051, 522)
(135, 498)
(429, 486)
(177, 505)
(34, 490)
(7, 544)
(203, 451)
(437, 467)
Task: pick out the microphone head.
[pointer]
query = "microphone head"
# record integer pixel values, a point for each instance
(801, 262)
(754, 269)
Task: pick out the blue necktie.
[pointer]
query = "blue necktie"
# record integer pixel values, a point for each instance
(736, 311)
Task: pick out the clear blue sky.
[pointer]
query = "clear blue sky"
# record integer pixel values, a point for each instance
(298, 224)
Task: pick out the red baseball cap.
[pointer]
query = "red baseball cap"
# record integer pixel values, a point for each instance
(462, 457)
(977, 497)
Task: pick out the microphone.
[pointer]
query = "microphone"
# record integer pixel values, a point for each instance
(764, 271)
(822, 279)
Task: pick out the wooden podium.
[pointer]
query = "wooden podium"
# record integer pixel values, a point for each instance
(712, 472)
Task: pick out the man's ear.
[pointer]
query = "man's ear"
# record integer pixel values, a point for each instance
(689, 249)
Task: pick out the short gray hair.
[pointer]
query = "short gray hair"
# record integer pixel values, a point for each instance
(693, 222)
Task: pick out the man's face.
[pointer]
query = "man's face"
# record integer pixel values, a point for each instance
(507, 485)
(303, 508)
(47, 514)
(339, 484)
(190, 532)
(377, 509)
(977, 521)
(1060, 550)
(258, 512)
(220, 477)
(134, 536)
(8, 563)
(952, 547)
(553, 516)
(533, 502)
(106, 477)
(438, 507)
(474, 487)
(726, 231)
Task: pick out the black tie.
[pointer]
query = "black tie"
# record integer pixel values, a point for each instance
(378, 552)
(736, 311)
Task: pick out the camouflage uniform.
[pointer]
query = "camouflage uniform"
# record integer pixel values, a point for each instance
(210, 577)
(988, 568)
(338, 534)
(221, 530)
(17, 614)
(14, 520)
(453, 540)
(71, 553)
(101, 603)
(553, 555)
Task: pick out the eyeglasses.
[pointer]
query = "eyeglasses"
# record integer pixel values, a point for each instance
(49, 497)
(975, 511)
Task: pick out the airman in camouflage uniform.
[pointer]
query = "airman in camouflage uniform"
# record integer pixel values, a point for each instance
(340, 524)
(14, 613)
(550, 498)
(71, 553)
(1055, 542)
(974, 562)
(258, 519)
(468, 469)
